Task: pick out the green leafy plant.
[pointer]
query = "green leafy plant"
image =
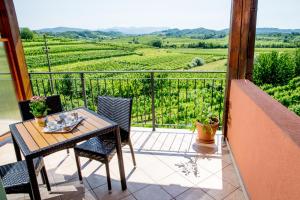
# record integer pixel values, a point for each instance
(38, 106)
(206, 116)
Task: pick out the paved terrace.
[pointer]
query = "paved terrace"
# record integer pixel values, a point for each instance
(169, 166)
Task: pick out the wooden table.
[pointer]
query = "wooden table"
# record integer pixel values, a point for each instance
(29, 138)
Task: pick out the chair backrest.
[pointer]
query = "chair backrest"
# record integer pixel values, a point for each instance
(53, 102)
(117, 110)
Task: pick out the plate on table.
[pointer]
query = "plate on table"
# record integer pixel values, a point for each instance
(56, 127)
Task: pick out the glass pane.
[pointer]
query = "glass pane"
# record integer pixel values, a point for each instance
(9, 111)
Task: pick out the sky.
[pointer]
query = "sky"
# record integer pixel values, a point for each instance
(98, 14)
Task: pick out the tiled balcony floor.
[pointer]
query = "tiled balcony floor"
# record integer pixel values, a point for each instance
(169, 166)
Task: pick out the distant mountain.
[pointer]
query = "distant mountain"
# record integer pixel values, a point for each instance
(60, 30)
(276, 30)
(135, 30)
(199, 33)
(196, 33)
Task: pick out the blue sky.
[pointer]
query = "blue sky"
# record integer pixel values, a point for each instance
(95, 14)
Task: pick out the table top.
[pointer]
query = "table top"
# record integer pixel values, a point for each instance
(32, 140)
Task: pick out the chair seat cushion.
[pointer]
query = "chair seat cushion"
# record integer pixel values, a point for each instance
(96, 147)
(15, 176)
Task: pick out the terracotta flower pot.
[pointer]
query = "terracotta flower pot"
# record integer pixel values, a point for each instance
(41, 121)
(205, 133)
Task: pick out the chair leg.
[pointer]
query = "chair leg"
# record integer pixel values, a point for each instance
(78, 166)
(108, 175)
(45, 178)
(132, 152)
(31, 196)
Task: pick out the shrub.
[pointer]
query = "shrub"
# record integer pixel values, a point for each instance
(156, 43)
(26, 34)
(196, 62)
(273, 68)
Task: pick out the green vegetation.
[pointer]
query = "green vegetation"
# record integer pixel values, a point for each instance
(288, 95)
(26, 34)
(278, 75)
(177, 96)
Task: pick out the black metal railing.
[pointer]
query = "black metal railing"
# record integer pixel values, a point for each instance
(160, 98)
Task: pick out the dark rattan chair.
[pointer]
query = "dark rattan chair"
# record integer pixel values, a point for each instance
(103, 148)
(15, 176)
(54, 103)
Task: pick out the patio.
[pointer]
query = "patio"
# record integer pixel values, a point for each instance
(169, 166)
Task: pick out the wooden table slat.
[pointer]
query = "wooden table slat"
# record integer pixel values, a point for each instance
(48, 137)
(100, 123)
(27, 137)
(35, 134)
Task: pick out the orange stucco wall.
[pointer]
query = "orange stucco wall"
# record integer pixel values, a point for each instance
(265, 140)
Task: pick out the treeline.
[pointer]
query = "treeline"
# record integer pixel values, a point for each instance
(279, 75)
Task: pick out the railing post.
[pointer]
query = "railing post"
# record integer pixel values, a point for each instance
(153, 100)
(83, 89)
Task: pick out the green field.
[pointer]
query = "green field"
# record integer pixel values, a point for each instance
(122, 54)
(178, 96)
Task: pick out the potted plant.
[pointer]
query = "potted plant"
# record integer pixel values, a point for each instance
(39, 109)
(207, 124)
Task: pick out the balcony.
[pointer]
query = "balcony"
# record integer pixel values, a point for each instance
(257, 156)
(170, 165)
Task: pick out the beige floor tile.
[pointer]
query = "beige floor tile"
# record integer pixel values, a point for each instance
(175, 184)
(157, 170)
(116, 193)
(131, 197)
(169, 164)
(72, 188)
(216, 187)
(229, 174)
(194, 194)
(15, 197)
(192, 171)
(152, 192)
(138, 180)
(235, 195)
(212, 163)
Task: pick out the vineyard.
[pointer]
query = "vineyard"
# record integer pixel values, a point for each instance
(177, 98)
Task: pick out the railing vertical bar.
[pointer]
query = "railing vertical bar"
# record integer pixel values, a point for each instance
(76, 92)
(105, 87)
(83, 89)
(153, 100)
(44, 87)
(113, 87)
(98, 87)
(186, 100)
(221, 100)
(92, 93)
(195, 97)
(178, 101)
(212, 93)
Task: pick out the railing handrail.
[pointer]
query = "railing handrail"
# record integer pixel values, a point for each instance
(133, 71)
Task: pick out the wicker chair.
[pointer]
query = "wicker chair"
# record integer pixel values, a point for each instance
(54, 103)
(103, 148)
(15, 177)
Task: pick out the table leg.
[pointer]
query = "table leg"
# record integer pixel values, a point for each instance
(17, 149)
(33, 180)
(120, 159)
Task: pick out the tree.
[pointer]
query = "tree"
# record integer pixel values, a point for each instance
(273, 68)
(156, 43)
(27, 34)
(297, 62)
